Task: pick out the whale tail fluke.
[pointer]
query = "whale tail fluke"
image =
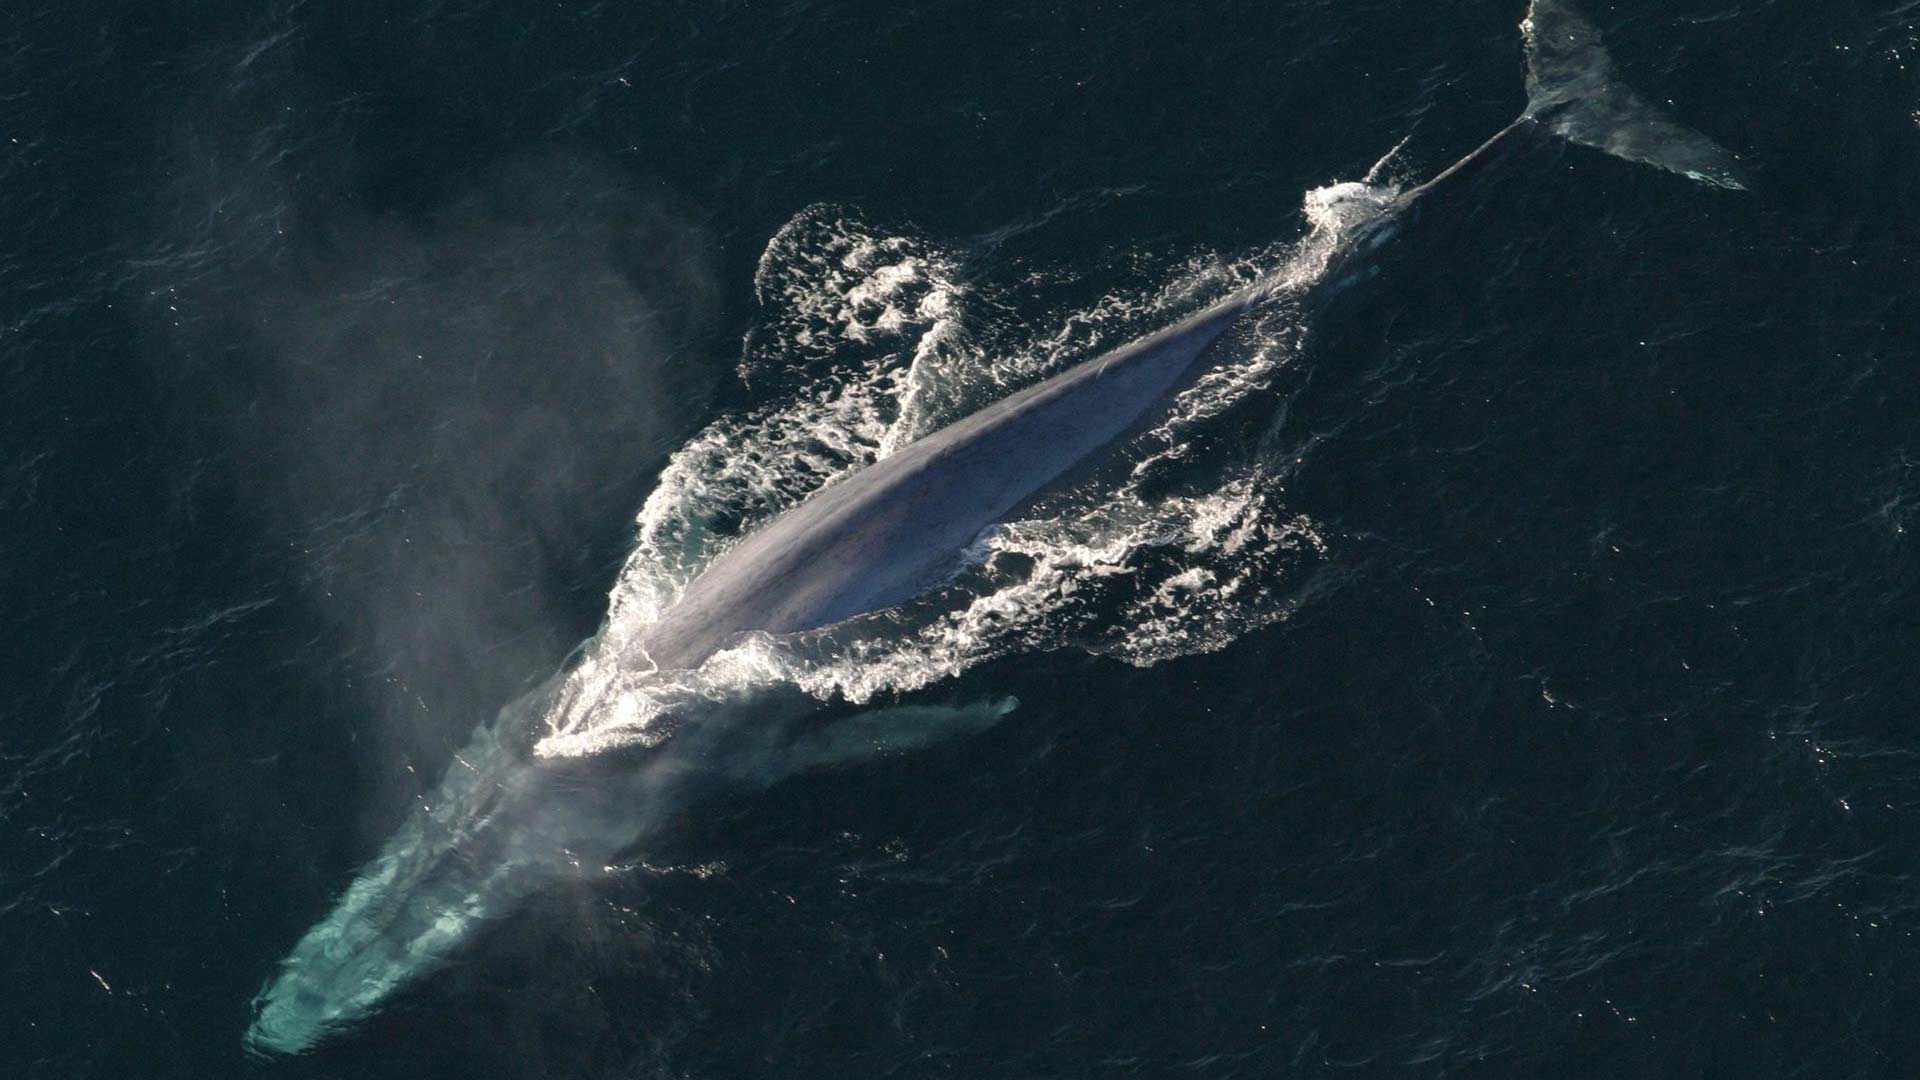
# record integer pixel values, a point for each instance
(1572, 91)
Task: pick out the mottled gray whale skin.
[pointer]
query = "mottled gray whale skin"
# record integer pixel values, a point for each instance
(876, 538)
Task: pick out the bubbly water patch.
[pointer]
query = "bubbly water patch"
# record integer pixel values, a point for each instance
(827, 279)
(867, 317)
(870, 335)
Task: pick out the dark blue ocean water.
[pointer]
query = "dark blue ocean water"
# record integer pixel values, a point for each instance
(339, 344)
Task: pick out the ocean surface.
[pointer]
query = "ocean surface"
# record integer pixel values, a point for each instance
(1511, 669)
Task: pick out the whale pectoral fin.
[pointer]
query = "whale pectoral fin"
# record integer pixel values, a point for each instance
(1571, 90)
(900, 729)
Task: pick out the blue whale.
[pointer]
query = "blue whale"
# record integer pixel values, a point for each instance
(505, 822)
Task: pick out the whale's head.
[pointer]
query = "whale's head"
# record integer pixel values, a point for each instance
(500, 826)
(506, 822)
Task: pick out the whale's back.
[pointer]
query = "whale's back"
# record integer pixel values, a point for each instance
(876, 538)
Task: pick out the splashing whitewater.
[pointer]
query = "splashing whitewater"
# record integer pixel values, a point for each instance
(872, 335)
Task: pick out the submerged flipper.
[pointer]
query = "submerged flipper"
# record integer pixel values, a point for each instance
(1572, 91)
(894, 730)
